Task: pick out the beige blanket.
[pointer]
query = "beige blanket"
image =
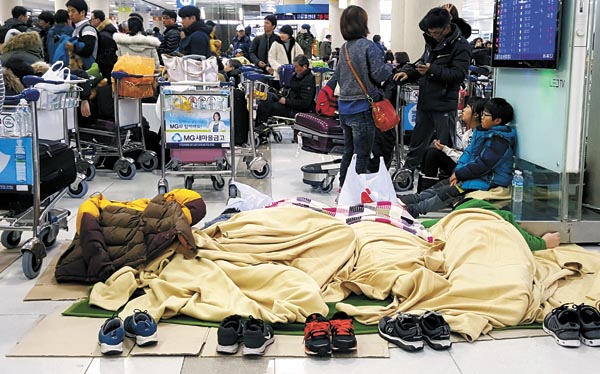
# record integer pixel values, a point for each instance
(281, 264)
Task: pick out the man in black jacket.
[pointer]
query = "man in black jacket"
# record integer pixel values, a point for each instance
(107, 48)
(197, 40)
(18, 21)
(171, 35)
(299, 99)
(259, 50)
(440, 71)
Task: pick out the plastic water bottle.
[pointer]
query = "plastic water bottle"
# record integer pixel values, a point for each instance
(20, 161)
(26, 120)
(517, 194)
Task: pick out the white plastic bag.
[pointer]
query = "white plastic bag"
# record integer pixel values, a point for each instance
(248, 199)
(366, 188)
(55, 73)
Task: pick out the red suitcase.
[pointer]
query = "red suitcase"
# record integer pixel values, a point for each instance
(319, 134)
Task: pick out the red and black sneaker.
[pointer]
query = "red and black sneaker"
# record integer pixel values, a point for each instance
(316, 335)
(342, 333)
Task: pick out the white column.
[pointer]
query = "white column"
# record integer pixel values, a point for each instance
(374, 12)
(6, 7)
(397, 34)
(59, 4)
(334, 24)
(102, 5)
(147, 18)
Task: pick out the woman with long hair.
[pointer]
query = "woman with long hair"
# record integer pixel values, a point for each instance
(135, 42)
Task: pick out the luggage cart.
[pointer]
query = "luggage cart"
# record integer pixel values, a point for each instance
(406, 104)
(116, 136)
(57, 111)
(197, 150)
(20, 176)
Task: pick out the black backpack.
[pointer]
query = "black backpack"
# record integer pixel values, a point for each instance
(107, 51)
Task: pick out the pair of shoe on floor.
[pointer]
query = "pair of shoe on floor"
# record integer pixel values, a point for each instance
(255, 334)
(571, 325)
(409, 331)
(321, 336)
(140, 326)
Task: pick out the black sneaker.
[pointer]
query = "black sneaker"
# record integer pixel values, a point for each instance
(435, 330)
(589, 320)
(258, 335)
(342, 333)
(402, 330)
(230, 334)
(317, 332)
(563, 324)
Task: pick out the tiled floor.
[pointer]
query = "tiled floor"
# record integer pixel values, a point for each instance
(532, 355)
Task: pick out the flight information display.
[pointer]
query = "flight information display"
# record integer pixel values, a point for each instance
(526, 33)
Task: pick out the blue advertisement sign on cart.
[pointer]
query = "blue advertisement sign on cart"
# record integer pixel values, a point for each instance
(16, 164)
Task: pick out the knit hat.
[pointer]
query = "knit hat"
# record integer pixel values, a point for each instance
(286, 29)
(210, 23)
(240, 28)
(306, 26)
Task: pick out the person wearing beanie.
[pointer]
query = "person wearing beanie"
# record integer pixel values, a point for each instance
(284, 50)
(306, 40)
(196, 39)
(261, 45)
(241, 41)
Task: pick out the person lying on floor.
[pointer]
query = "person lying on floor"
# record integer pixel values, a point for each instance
(486, 163)
(299, 99)
(536, 243)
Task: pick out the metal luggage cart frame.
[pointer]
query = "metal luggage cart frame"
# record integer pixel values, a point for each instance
(120, 145)
(65, 101)
(402, 177)
(43, 219)
(217, 168)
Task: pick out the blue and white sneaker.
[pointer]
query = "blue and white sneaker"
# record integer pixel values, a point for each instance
(142, 327)
(110, 336)
(257, 336)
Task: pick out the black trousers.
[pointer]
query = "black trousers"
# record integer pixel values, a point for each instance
(442, 124)
(271, 107)
(435, 159)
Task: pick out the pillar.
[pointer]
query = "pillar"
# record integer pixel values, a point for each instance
(334, 24)
(102, 5)
(397, 34)
(374, 12)
(6, 7)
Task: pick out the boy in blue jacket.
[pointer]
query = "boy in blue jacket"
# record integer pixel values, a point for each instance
(486, 163)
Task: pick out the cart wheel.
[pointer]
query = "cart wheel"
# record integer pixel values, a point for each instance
(11, 239)
(262, 173)
(277, 137)
(48, 236)
(188, 182)
(163, 188)
(31, 264)
(218, 183)
(80, 191)
(327, 188)
(150, 164)
(315, 186)
(90, 172)
(128, 173)
(403, 179)
(233, 191)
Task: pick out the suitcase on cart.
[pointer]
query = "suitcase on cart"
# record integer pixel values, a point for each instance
(319, 134)
(57, 171)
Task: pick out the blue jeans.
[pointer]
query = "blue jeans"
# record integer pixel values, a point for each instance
(359, 133)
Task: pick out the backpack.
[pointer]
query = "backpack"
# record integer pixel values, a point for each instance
(86, 62)
(326, 101)
(106, 57)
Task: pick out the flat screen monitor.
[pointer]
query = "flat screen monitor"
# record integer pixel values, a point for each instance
(526, 33)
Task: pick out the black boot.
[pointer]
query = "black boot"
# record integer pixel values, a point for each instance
(426, 182)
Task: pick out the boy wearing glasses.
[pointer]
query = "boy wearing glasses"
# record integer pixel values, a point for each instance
(486, 163)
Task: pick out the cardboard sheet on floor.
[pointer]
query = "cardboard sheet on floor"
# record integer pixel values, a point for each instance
(292, 346)
(516, 334)
(46, 287)
(7, 257)
(175, 340)
(61, 336)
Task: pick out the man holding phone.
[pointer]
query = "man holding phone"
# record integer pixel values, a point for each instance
(440, 71)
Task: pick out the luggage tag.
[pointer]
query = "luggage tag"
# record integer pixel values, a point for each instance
(299, 139)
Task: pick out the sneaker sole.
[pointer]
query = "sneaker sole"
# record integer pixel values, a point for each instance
(111, 349)
(344, 346)
(259, 351)
(321, 351)
(561, 342)
(438, 345)
(143, 341)
(228, 349)
(590, 342)
(404, 344)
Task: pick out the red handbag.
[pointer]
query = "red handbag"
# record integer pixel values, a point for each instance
(385, 115)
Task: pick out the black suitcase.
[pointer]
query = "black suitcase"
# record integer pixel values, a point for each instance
(57, 171)
(240, 116)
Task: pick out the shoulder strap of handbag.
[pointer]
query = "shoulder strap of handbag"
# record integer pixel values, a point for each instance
(360, 83)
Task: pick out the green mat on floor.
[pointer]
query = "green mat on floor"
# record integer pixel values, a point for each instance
(82, 308)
